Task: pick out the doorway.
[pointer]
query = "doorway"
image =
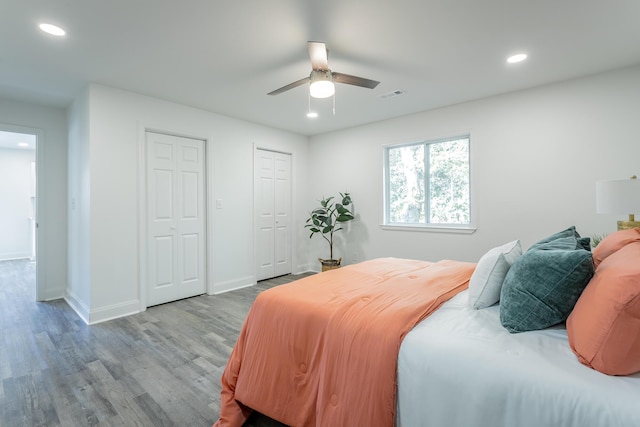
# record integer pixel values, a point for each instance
(272, 206)
(18, 197)
(176, 212)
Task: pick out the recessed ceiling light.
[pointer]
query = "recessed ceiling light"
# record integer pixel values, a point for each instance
(312, 114)
(517, 58)
(52, 29)
(23, 144)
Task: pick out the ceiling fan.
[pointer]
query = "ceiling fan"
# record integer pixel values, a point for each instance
(321, 80)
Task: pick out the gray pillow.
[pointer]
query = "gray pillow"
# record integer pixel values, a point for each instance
(542, 287)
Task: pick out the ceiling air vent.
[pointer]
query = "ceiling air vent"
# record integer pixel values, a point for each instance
(393, 94)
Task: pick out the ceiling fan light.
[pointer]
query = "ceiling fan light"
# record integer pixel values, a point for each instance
(322, 89)
(321, 85)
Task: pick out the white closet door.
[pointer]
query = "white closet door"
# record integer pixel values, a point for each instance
(272, 201)
(282, 209)
(176, 217)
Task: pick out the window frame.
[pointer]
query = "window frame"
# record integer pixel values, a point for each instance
(466, 228)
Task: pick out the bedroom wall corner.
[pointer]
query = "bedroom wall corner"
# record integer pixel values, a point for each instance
(78, 293)
(116, 120)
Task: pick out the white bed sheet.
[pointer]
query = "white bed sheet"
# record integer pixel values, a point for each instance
(461, 368)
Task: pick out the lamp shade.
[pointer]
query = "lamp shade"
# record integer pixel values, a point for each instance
(618, 197)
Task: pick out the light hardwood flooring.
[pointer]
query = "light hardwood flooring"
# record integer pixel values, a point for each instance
(161, 367)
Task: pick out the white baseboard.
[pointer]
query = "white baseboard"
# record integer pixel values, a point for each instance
(110, 312)
(53, 294)
(307, 268)
(14, 256)
(102, 314)
(232, 285)
(77, 305)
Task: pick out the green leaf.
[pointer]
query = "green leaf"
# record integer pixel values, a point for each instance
(327, 229)
(326, 201)
(342, 210)
(344, 218)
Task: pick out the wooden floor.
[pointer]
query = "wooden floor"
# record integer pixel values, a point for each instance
(157, 368)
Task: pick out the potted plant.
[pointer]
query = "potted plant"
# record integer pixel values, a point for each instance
(326, 220)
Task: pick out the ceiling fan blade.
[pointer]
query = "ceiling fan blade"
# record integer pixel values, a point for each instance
(289, 86)
(354, 80)
(319, 55)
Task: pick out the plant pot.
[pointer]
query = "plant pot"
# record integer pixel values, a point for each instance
(330, 264)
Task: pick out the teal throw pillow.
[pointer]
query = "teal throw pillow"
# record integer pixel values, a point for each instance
(569, 232)
(563, 243)
(542, 287)
(584, 243)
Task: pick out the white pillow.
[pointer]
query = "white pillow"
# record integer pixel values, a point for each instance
(486, 281)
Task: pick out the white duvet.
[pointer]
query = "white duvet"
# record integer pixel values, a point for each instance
(461, 368)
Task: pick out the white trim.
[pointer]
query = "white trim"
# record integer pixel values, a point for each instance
(53, 294)
(210, 212)
(307, 268)
(10, 256)
(293, 246)
(40, 213)
(441, 228)
(232, 285)
(102, 314)
(430, 228)
(77, 305)
(114, 311)
(143, 128)
(142, 214)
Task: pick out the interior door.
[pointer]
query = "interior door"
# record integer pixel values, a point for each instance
(282, 203)
(176, 217)
(272, 203)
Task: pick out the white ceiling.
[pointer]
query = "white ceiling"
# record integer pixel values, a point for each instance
(224, 56)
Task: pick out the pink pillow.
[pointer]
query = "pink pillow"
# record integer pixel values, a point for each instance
(604, 326)
(614, 242)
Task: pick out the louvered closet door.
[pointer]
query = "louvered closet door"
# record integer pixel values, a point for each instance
(272, 202)
(176, 218)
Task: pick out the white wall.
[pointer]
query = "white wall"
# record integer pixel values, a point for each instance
(52, 188)
(78, 292)
(16, 190)
(535, 158)
(116, 123)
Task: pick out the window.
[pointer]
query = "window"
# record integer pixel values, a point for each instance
(427, 184)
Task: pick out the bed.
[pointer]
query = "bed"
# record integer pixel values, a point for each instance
(481, 375)
(455, 357)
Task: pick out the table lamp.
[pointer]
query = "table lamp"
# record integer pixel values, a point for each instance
(619, 197)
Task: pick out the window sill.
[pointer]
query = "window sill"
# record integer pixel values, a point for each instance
(463, 229)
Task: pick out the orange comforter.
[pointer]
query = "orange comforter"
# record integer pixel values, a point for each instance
(322, 351)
